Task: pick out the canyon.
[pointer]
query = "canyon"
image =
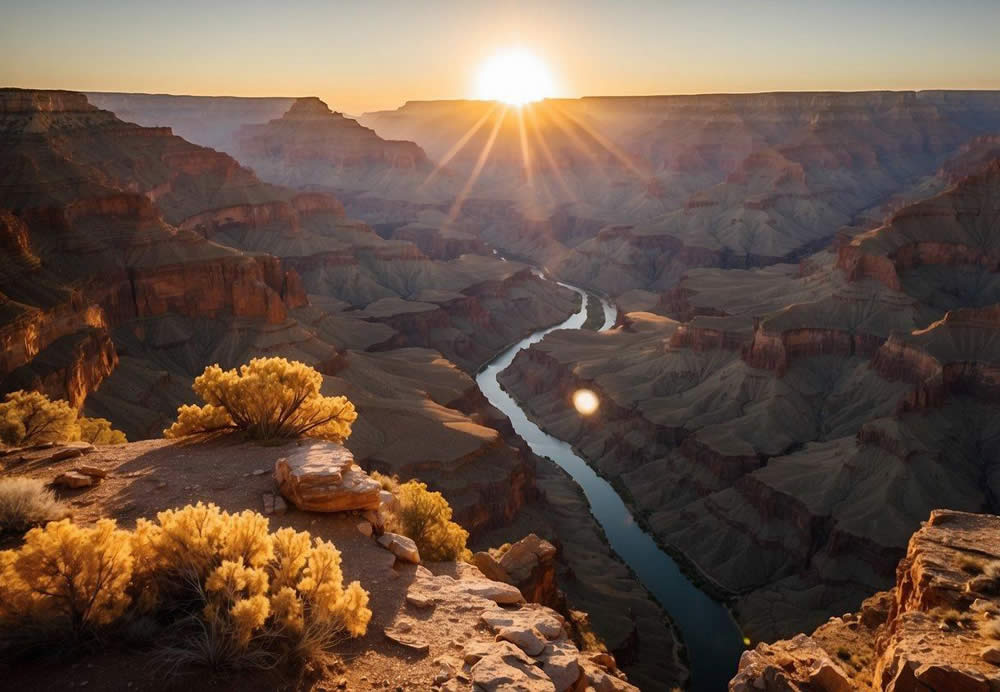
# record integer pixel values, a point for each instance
(804, 365)
(786, 429)
(133, 258)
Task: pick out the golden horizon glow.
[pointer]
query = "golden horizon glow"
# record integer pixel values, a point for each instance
(515, 77)
(585, 401)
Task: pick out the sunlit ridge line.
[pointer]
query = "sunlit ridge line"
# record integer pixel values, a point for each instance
(480, 163)
(457, 147)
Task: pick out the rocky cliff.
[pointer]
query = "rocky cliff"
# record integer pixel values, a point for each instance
(935, 629)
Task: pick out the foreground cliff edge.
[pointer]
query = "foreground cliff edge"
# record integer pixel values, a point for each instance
(938, 628)
(437, 625)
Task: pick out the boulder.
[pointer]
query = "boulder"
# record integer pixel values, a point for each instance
(400, 546)
(560, 661)
(73, 479)
(530, 566)
(546, 621)
(991, 654)
(598, 679)
(490, 568)
(388, 501)
(527, 639)
(322, 477)
(496, 672)
(90, 470)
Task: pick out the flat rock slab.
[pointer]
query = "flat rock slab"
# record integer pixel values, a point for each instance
(322, 477)
(401, 634)
(73, 479)
(530, 616)
(498, 673)
(471, 592)
(70, 451)
(400, 546)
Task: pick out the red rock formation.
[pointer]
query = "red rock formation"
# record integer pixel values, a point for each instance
(929, 632)
(951, 229)
(957, 354)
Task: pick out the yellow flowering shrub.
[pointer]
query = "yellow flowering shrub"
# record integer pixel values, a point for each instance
(98, 431)
(267, 398)
(31, 417)
(224, 577)
(69, 577)
(425, 517)
(28, 418)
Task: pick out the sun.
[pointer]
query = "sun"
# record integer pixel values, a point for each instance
(515, 77)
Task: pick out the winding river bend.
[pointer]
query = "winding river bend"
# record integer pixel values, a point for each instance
(714, 642)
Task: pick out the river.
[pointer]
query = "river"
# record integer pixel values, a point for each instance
(714, 642)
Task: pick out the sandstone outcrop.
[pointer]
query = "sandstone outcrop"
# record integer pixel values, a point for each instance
(322, 477)
(528, 564)
(935, 629)
(531, 649)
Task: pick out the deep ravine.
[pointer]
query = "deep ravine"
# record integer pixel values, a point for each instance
(712, 638)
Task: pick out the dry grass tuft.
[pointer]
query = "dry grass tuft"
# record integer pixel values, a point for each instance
(26, 502)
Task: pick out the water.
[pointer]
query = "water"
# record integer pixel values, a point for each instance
(714, 642)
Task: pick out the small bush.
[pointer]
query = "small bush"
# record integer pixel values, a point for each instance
(31, 417)
(269, 398)
(26, 502)
(28, 418)
(98, 431)
(990, 629)
(231, 593)
(66, 579)
(425, 517)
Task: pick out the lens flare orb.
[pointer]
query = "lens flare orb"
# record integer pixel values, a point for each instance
(585, 401)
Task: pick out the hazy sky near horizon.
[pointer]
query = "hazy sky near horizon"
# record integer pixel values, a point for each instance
(378, 54)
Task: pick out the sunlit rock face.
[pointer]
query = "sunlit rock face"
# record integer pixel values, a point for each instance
(930, 630)
(788, 428)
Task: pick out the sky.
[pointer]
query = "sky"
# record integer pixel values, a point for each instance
(378, 54)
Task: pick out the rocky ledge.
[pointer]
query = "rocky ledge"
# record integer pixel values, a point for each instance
(938, 628)
(526, 646)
